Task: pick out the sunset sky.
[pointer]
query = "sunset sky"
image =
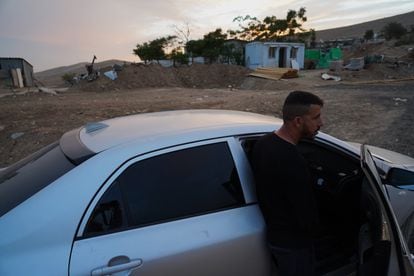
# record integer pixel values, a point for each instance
(52, 33)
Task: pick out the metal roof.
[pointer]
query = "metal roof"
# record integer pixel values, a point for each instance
(14, 58)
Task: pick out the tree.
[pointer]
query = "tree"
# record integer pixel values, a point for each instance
(210, 47)
(178, 57)
(394, 30)
(295, 20)
(195, 47)
(153, 50)
(271, 28)
(369, 34)
(182, 34)
(213, 44)
(249, 31)
(312, 38)
(231, 54)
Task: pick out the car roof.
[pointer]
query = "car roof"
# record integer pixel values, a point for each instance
(199, 124)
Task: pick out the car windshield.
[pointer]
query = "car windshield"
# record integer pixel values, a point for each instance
(28, 176)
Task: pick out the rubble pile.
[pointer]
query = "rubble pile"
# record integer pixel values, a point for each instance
(375, 61)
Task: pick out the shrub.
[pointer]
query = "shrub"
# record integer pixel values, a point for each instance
(405, 40)
(369, 34)
(68, 77)
(393, 30)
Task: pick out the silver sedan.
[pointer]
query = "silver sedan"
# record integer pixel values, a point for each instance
(172, 193)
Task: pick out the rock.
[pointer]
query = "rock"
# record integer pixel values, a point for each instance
(16, 135)
(48, 90)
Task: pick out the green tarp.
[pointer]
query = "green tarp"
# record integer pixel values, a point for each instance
(321, 58)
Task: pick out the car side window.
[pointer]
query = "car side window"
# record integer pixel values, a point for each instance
(109, 214)
(170, 186)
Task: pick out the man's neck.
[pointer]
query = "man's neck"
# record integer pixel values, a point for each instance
(287, 135)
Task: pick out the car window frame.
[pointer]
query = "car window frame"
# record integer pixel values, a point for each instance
(405, 259)
(235, 154)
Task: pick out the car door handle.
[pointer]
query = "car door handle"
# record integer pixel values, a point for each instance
(126, 264)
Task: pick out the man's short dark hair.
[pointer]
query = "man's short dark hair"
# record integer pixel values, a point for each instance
(297, 103)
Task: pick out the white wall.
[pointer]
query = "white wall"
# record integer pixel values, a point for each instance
(257, 54)
(254, 55)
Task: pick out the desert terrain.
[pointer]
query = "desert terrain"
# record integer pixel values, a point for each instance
(358, 30)
(373, 105)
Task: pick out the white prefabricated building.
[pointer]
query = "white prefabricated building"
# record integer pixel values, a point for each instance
(274, 54)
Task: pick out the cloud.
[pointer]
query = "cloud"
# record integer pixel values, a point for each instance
(342, 13)
(57, 31)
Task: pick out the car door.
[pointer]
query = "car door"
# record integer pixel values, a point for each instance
(177, 211)
(400, 261)
(401, 197)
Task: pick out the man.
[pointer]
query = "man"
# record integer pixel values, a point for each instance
(283, 185)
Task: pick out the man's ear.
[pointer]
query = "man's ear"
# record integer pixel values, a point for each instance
(298, 121)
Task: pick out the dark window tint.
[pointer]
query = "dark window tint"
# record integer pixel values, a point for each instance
(248, 145)
(109, 214)
(25, 178)
(179, 184)
(293, 53)
(272, 52)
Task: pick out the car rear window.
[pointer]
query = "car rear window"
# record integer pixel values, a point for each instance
(28, 176)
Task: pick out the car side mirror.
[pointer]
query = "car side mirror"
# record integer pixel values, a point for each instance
(401, 178)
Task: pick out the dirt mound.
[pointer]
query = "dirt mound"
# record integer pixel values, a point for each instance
(195, 76)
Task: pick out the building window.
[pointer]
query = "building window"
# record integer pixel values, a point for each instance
(293, 53)
(272, 52)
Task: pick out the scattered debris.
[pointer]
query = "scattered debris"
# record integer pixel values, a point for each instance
(92, 73)
(356, 64)
(275, 73)
(111, 75)
(336, 65)
(295, 64)
(16, 135)
(400, 100)
(117, 67)
(26, 90)
(47, 90)
(326, 76)
(2, 128)
(64, 89)
(370, 59)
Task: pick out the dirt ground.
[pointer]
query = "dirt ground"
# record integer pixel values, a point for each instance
(367, 106)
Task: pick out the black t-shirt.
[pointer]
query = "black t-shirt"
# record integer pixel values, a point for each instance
(284, 191)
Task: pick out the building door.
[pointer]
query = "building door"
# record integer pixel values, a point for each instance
(282, 57)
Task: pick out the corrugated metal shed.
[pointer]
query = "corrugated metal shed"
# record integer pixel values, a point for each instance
(7, 64)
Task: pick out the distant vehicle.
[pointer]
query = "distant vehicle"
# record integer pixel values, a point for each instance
(172, 193)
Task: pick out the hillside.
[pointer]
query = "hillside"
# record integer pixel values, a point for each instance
(358, 30)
